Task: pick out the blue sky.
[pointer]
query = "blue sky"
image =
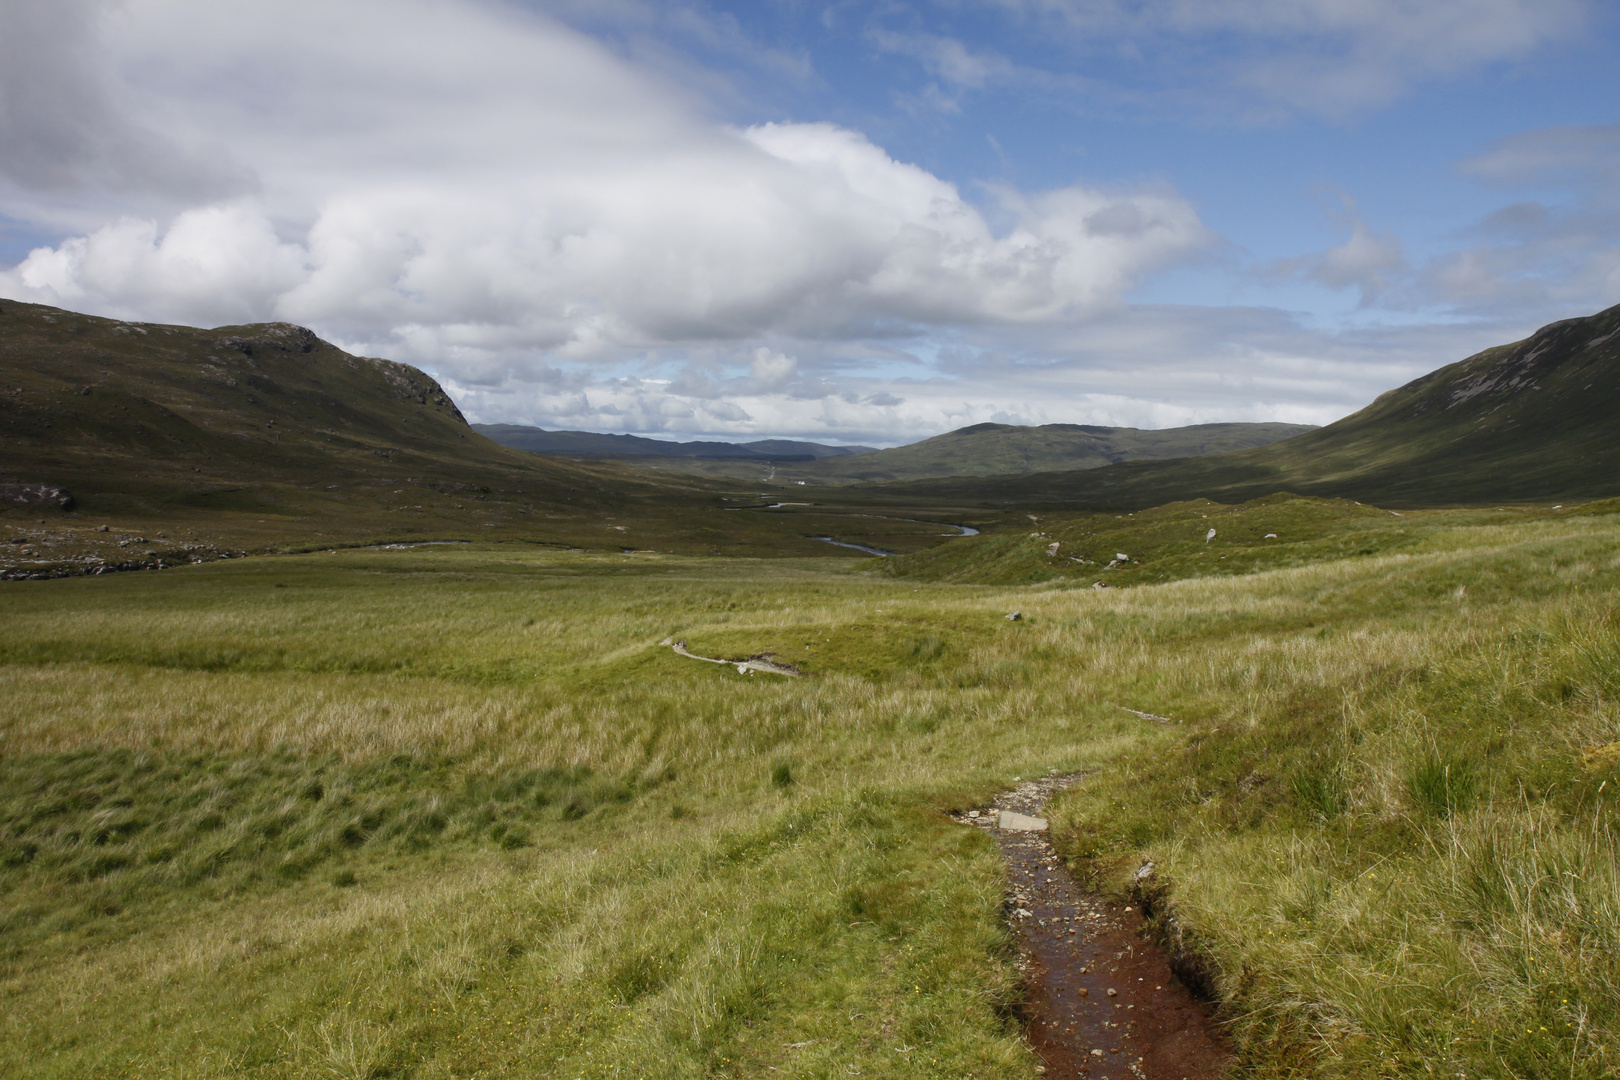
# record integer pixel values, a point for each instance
(846, 221)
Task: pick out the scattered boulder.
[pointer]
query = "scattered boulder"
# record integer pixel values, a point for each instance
(1013, 616)
(22, 493)
(1052, 548)
(1209, 536)
(1120, 556)
(1100, 585)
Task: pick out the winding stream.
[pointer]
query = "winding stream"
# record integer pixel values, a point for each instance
(962, 530)
(857, 547)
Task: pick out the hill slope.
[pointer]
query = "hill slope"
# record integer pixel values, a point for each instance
(254, 437)
(1531, 420)
(115, 411)
(591, 444)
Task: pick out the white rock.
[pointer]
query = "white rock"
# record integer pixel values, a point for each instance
(1006, 819)
(1121, 556)
(1209, 536)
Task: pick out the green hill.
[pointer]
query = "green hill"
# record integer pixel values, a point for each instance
(997, 449)
(1532, 420)
(129, 416)
(253, 437)
(991, 449)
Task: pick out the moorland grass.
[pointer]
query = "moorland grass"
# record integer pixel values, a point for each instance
(546, 845)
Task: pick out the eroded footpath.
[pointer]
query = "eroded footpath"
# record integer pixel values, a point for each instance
(1102, 1001)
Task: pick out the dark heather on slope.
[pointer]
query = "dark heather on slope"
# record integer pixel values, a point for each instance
(140, 410)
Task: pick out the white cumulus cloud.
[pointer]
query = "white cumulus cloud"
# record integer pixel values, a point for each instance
(485, 191)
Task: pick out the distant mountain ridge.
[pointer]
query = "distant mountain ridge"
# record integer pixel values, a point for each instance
(978, 450)
(1002, 449)
(598, 445)
(1537, 419)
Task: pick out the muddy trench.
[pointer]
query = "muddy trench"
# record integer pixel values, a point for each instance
(1101, 999)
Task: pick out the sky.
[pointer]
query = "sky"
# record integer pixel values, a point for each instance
(853, 222)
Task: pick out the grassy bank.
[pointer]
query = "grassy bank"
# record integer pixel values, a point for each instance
(451, 811)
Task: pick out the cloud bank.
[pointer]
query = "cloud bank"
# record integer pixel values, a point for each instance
(572, 239)
(494, 194)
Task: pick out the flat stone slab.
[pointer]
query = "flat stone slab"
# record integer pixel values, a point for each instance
(1019, 822)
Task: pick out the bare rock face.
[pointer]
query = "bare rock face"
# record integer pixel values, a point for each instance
(22, 493)
(415, 385)
(273, 337)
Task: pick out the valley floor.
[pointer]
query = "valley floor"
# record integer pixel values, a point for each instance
(455, 811)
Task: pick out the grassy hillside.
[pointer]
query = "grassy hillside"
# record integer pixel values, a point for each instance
(117, 410)
(994, 449)
(592, 444)
(1533, 420)
(1196, 538)
(455, 811)
(178, 444)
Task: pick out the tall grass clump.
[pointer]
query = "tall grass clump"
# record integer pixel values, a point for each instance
(1443, 786)
(1399, 862)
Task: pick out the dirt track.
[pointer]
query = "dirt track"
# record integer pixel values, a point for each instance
(1102, 1002)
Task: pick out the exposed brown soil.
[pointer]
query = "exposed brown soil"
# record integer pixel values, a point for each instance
(1102, 1001)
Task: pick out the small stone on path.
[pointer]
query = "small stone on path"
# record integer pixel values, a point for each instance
(1007, 819)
